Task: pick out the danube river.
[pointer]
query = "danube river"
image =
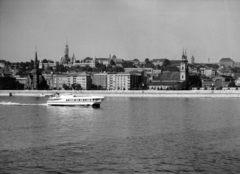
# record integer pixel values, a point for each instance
(126, 135)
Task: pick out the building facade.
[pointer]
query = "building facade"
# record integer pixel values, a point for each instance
(209, 72)
(227, 62)
(158, 61)
(123, 81)
(58, 80)
(100, 80)
(222, 81)
(84, 80)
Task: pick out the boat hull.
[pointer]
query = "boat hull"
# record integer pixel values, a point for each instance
(72, 104)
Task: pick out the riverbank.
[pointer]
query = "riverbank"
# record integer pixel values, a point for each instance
(134, 93)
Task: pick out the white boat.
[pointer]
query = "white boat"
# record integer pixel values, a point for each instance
(46, 95)
(75, 100)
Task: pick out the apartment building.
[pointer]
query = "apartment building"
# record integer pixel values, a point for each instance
(82, 78)
(123, 81)
(100, 80)
(59, 80)
(209, 72)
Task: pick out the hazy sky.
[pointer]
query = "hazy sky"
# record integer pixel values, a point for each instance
(126, 28)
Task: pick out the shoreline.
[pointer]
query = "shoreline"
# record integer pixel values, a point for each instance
(132, 93)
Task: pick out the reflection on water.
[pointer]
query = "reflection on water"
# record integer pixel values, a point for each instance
(126, 135)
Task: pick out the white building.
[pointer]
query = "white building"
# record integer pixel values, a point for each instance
(209, 72)
(84, 80)
(2, 63)
(123, 81)
(68, 79)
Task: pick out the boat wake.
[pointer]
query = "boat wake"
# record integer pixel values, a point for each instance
(22, 104)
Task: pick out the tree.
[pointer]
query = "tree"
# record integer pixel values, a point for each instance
(149, 64)
(118, 69)
(158, 67)
(112, 63)
(166, 62)
(147, 61)
(8, 63)
(93, 87)
(236, 70)
(88, 68)
(170, 68)
(109, 68)
(60, 68)
(183, 86)
(231, 84)
(49, 68)
(128, 64)
(32, 64)
(43, 83)
(65, 87)
(44, 61)
(195, 81)
(76, 86)
(8, 83)
(22, 66)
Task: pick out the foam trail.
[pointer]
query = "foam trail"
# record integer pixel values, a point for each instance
(22, 104)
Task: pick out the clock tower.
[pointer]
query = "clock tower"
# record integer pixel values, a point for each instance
(184, 67)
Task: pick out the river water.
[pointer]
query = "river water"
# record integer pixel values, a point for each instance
(126, 135)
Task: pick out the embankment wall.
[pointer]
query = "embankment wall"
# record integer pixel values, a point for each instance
(133, 93)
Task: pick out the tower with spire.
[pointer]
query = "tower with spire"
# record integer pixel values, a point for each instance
(73, 61)
(66, 51)
(65, 59)
(192, 60)
(35, 72)
(184, 67)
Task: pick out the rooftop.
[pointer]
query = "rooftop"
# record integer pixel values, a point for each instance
(226, 59)
(160, 60)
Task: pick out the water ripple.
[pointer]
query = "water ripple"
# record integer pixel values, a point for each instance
(127, 135)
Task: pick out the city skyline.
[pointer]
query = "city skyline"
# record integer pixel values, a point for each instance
(128, 29)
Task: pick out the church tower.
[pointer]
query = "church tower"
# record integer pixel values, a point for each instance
(73, 59)
(192, 60)
(66, 51)
(94, 61)
(184, 67)
(36, 72)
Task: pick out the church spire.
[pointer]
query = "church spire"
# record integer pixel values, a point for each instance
(36, 59)
(66, 51)
(36, 71)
